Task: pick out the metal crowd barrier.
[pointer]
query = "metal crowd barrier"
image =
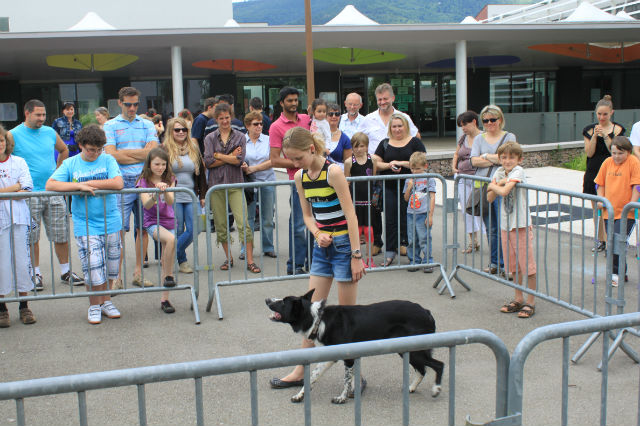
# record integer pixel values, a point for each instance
(570, 278)
(128, 289)
(217, 278)
(197, 370)
(564, 331)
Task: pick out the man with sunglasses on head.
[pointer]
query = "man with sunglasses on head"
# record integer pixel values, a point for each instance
(129, 140)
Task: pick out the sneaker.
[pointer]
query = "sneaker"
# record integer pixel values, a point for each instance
(185, 268)
(428, 270)
(403, 250)
(137, 280)
(26, 316)
(4, 319)
(169, 281)
(71, 277)
(37, 282)
(167, 307)
(413, 269)
(110, 310)
(95, 314)
(599, 246)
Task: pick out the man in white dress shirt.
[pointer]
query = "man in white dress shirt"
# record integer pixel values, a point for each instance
(350, 120)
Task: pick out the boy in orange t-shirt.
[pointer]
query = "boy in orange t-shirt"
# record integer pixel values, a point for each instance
(618, 176)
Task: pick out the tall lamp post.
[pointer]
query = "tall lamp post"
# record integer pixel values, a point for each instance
(311, 88)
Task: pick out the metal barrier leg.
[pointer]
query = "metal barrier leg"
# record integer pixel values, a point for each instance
(194, 304)
(616, 343)
(585, 347)
(445, 283)
(218, 303)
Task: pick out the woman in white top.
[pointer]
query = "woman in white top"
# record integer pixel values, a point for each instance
(15, 218)
(257, 167)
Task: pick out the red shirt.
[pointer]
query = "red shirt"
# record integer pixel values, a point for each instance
(279, 128)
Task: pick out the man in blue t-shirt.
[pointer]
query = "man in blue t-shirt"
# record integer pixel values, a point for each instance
(129, 140)
(36, 143)
(96, 219)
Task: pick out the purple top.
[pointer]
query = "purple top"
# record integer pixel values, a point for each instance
(464, 157)
(227, 173)
(150, 216)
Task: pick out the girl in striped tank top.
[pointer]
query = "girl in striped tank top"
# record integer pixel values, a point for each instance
(330, 216)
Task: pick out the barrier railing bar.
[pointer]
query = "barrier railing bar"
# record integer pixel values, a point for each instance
(142, 406)
(82, 408)
(307, 392)
(405, 389)
(20, 411)
(253, 381)
(358, 392)
(199, 401)
(565, 381)
(452, 386)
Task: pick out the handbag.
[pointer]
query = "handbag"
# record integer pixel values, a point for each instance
(477, 203)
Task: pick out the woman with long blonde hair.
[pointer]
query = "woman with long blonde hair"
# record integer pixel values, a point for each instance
(186, 162)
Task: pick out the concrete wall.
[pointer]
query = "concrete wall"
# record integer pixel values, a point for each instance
(46, 15)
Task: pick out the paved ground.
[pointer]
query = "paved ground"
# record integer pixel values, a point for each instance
(62, 342)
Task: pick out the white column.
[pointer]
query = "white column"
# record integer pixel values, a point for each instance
(461, 80)
(176, 79)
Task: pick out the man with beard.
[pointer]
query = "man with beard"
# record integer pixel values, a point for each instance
(297, 229)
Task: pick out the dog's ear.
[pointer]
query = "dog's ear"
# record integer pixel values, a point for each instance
(309, 294)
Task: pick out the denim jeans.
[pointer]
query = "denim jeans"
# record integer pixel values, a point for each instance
(184, 220)
(419, 239)
(267, 196)
(492, 224)
(297, 234)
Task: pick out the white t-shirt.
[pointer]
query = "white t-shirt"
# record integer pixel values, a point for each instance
(376, 130)
(635, 134)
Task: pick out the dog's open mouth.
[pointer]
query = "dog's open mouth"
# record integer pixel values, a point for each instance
(275, 316)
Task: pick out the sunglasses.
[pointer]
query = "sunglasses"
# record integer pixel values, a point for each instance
(180, 130)
(259, 123)
(131, 104)
(487, 120)
(333, 114)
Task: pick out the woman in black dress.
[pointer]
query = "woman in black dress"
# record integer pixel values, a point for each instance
(597, 145)
(392, 158)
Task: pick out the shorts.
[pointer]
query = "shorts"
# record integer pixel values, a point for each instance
(520, 241)
(128, 203)
(333, 261)
(101, 254)
(53, 210)
(22, 260)
(151, 229)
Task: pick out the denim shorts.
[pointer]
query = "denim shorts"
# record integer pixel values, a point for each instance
(151, 229)
(333, 261)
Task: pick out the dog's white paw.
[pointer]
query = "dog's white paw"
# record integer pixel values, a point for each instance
(339, 399)
(299, 397)
(435, 390)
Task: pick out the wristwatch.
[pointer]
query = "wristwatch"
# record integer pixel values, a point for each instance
(484, 156)
(356, 254)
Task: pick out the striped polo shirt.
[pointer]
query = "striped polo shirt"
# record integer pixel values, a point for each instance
(324, 201)
(125, 134)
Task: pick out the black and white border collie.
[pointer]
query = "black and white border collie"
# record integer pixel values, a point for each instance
(336, 324)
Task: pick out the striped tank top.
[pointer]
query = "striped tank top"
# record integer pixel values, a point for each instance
(324, 201)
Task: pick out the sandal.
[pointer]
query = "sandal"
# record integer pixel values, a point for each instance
(511, 307)
(252, 267)
(388, 261)
(226, 265)
(473, 246)
(527, 311)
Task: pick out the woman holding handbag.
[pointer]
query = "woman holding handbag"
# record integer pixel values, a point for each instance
(485, 159)
(461, 164)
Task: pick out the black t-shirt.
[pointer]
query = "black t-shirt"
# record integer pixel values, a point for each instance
(389, 153)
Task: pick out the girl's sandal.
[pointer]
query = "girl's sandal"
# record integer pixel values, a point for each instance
(511, 307)
(527, 311)
(252, 267)
(471, 248)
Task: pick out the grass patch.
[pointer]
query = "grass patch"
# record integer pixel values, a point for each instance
(577, 163)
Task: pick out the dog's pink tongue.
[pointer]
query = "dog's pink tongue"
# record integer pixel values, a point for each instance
(276, 316)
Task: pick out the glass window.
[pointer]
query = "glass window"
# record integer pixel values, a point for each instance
(500, 91)
(523, 91)
(197, 92)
